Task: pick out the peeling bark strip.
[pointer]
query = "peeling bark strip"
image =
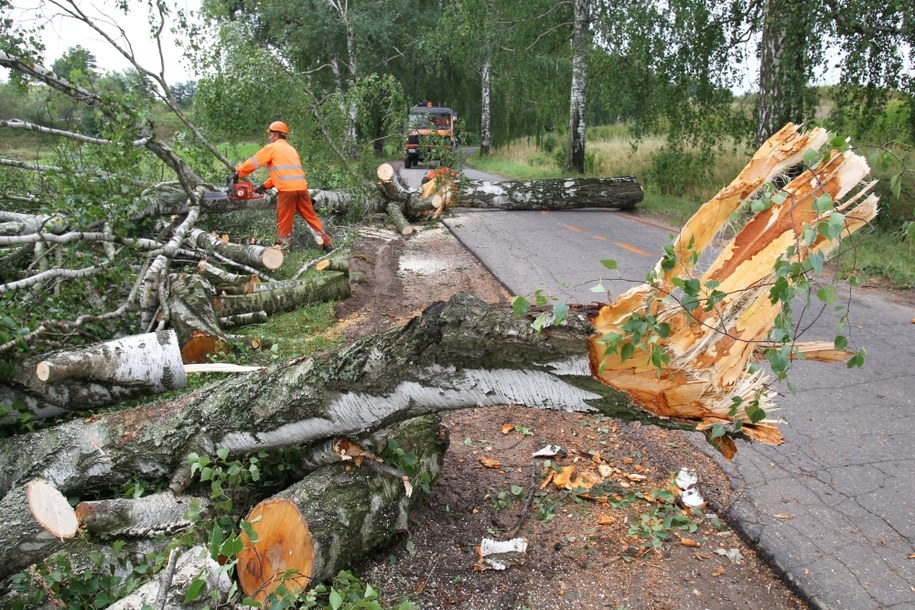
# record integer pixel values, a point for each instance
(335, 516)
(711, 348)
(456, 355)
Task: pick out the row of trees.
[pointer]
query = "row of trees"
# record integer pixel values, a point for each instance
(528, 67)
(525, 67)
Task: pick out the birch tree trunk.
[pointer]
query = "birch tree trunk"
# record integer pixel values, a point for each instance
(784, 68)
(486, 110)
(581, 41)
(456, 355)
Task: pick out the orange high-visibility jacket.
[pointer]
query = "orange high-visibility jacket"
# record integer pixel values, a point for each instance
(286, 173)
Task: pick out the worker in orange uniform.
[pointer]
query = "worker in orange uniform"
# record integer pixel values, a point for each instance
(288, 177)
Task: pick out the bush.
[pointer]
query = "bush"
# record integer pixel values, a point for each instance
(677, 172)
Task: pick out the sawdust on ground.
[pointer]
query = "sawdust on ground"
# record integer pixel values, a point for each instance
(581, 553)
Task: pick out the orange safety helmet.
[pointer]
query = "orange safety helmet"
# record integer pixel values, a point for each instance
(279, 126)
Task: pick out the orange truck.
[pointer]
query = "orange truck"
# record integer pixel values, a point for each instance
(430, 130)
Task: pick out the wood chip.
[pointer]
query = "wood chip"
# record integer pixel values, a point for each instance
(689, 542)
(506, 428)
(718, 571)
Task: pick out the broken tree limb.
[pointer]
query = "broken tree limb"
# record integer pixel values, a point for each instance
(329, 287)
(336, 516)
(709, 376)
(456, 355)
(256, 256)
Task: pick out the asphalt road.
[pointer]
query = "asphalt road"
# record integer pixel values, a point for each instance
(833, 508)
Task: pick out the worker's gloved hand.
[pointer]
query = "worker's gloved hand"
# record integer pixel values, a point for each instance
(235, 177)
(261, 189)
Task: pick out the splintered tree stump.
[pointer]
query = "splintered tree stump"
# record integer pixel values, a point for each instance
(335, 516)
(711, 349)
(196, 322)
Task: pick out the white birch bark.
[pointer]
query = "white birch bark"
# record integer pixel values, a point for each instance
(580, 42)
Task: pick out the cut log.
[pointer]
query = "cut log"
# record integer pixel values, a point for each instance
(96, 376)
(244, 319)
(330, 287)
(335, 516)
(391, 185)
(152, 358)
(162, 513)
(36, 520)
(711, 349)
(256, 256)
(333, 264)
(395, 213)
(623, 192)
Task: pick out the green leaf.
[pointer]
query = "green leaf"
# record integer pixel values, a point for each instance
(841, 342)
(560, 312)
(598, 288)
(609, 263)
(858, 359)
(335, 599)
(223, 453)
(626, 351)
(896, 185)
(761, 205)
(718, 431)
(823, 203)
(827, 294)
(539, 322)
(194, 591)
(520, 306)
(812, 157)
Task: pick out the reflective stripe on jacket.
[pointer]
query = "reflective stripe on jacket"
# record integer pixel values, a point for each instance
(282, 160)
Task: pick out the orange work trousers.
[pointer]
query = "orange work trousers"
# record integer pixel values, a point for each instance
(290, 202)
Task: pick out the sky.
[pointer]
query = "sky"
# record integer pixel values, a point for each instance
(62, 33)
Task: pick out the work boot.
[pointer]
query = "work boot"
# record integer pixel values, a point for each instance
(283, 244)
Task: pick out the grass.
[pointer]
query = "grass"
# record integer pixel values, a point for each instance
(677, 185)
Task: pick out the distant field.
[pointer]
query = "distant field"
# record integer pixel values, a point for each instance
(673, 190)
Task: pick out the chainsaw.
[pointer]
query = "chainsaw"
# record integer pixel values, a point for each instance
(242, 190)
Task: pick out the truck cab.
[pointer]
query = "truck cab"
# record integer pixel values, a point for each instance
(430, 130)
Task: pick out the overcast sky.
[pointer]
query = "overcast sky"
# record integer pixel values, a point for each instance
(62, 33)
